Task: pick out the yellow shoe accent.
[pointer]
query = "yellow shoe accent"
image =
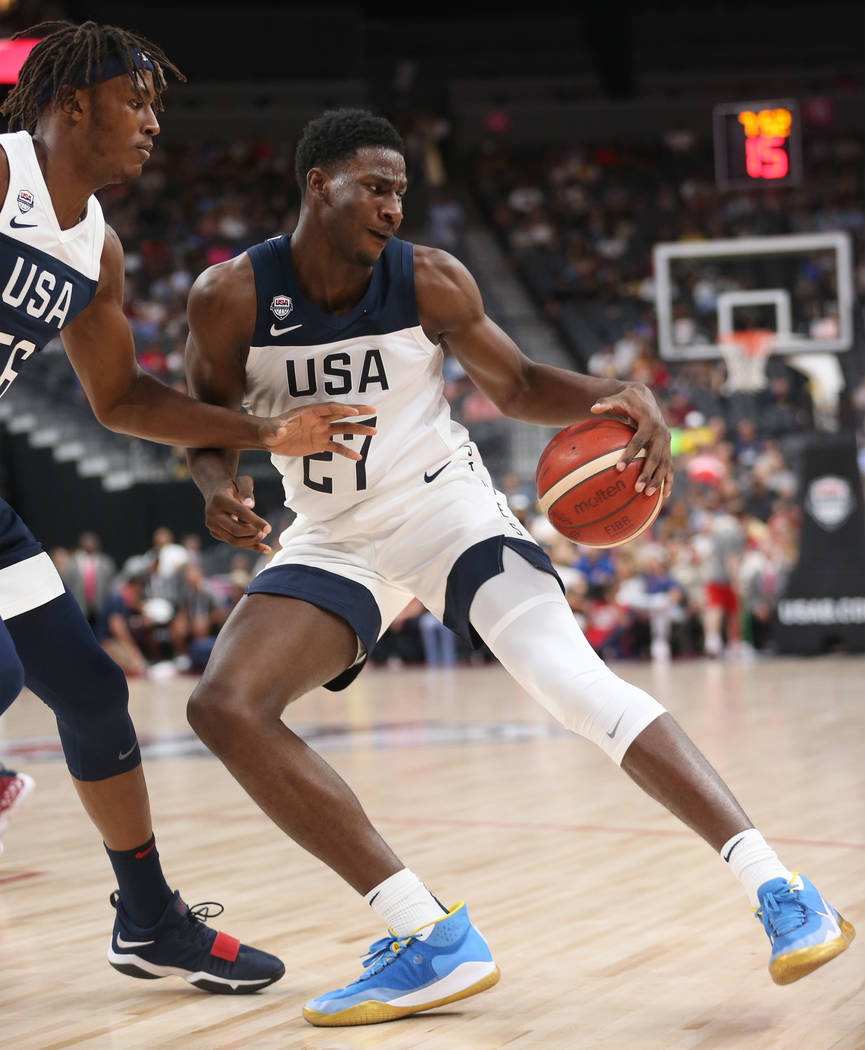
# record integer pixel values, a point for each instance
(375, 1013)
(793, 965)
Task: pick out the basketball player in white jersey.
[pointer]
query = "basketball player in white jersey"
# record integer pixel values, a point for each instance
(85, 102)
(342, 309)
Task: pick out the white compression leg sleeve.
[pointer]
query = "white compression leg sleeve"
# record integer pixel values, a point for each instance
(523, 617)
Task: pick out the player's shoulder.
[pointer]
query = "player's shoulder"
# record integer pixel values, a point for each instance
(435, 264)
(224, 293)
(228, 281)
(445, 289)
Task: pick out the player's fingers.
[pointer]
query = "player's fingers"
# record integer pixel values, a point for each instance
(246, 544)
(228, 508)
(343, 450)
(630, 450)
(331, 410)
(350, 428)
(243, 486)
(243, 522)
(244, 527)
(654, 469)
(236, 534)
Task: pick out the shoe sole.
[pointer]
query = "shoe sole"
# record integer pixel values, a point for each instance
(797, 964)
(372, 1012)
(134, 966)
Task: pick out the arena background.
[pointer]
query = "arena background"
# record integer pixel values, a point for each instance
(551, 152)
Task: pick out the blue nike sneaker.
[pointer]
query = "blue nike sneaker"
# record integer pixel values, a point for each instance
(181, 945)
(805, 932)
(440, 962)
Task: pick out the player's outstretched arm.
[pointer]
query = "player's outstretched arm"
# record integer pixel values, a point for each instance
(452, 313)
(124, 398)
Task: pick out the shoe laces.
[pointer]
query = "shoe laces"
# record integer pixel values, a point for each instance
(198, 914)
(782, 913)
(382, 953)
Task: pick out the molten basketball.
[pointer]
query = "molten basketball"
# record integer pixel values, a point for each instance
(582, 493)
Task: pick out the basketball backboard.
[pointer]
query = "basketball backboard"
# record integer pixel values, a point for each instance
(799, 287)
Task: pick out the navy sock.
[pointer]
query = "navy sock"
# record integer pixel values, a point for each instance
(144, 892)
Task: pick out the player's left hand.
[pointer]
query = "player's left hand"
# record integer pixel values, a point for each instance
(638, 403)
(315, 428)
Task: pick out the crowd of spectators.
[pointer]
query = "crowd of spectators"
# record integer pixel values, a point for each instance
(159, 612)
(581, 223)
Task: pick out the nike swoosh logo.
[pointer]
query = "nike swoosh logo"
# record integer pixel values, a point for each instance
(126, 754)
(131, 944)
(373, 898)
(144, 852)
(730, 850)
(431, 477)
(281, 331)
(16, 225)
(615, 729)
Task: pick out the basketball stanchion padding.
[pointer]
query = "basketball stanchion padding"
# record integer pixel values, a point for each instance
(583, 494)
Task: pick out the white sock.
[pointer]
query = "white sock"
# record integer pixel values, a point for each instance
(753, 862)
(404, 903)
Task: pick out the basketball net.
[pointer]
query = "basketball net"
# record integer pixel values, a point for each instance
(745, 355)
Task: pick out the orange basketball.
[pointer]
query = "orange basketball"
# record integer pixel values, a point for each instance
(582, 493)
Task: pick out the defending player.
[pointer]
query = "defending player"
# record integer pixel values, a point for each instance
(85, 100)
(341, 308)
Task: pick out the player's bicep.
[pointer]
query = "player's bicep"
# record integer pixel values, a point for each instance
(450, 302)
(491, 359)
(210, 376)
(217, 345)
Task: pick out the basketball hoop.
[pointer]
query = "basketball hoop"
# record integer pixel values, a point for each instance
(745, 355)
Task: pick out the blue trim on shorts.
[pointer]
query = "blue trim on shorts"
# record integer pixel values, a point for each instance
(481, 562)
(346, 598)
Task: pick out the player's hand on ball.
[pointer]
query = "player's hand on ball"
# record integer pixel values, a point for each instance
(316, 428)
(229, 517)
(638, 403)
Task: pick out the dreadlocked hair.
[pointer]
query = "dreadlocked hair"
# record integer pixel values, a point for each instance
(66, 55)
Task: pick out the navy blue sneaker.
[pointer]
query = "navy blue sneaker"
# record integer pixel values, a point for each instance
(804, 930)
(181, 945)
(439, 963)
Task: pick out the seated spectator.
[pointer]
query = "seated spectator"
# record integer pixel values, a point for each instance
(196, 620)
(125, 631)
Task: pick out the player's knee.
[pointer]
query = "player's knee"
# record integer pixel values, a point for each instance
(598, 705)
(107, 681)
(11, 681)
(217, 715)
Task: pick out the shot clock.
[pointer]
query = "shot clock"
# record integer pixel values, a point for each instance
(757, 144)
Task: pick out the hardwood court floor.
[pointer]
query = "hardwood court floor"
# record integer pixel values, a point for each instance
(613, 926)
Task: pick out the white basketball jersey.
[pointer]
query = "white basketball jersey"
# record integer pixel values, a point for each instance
(47, 275)
(376, 354)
